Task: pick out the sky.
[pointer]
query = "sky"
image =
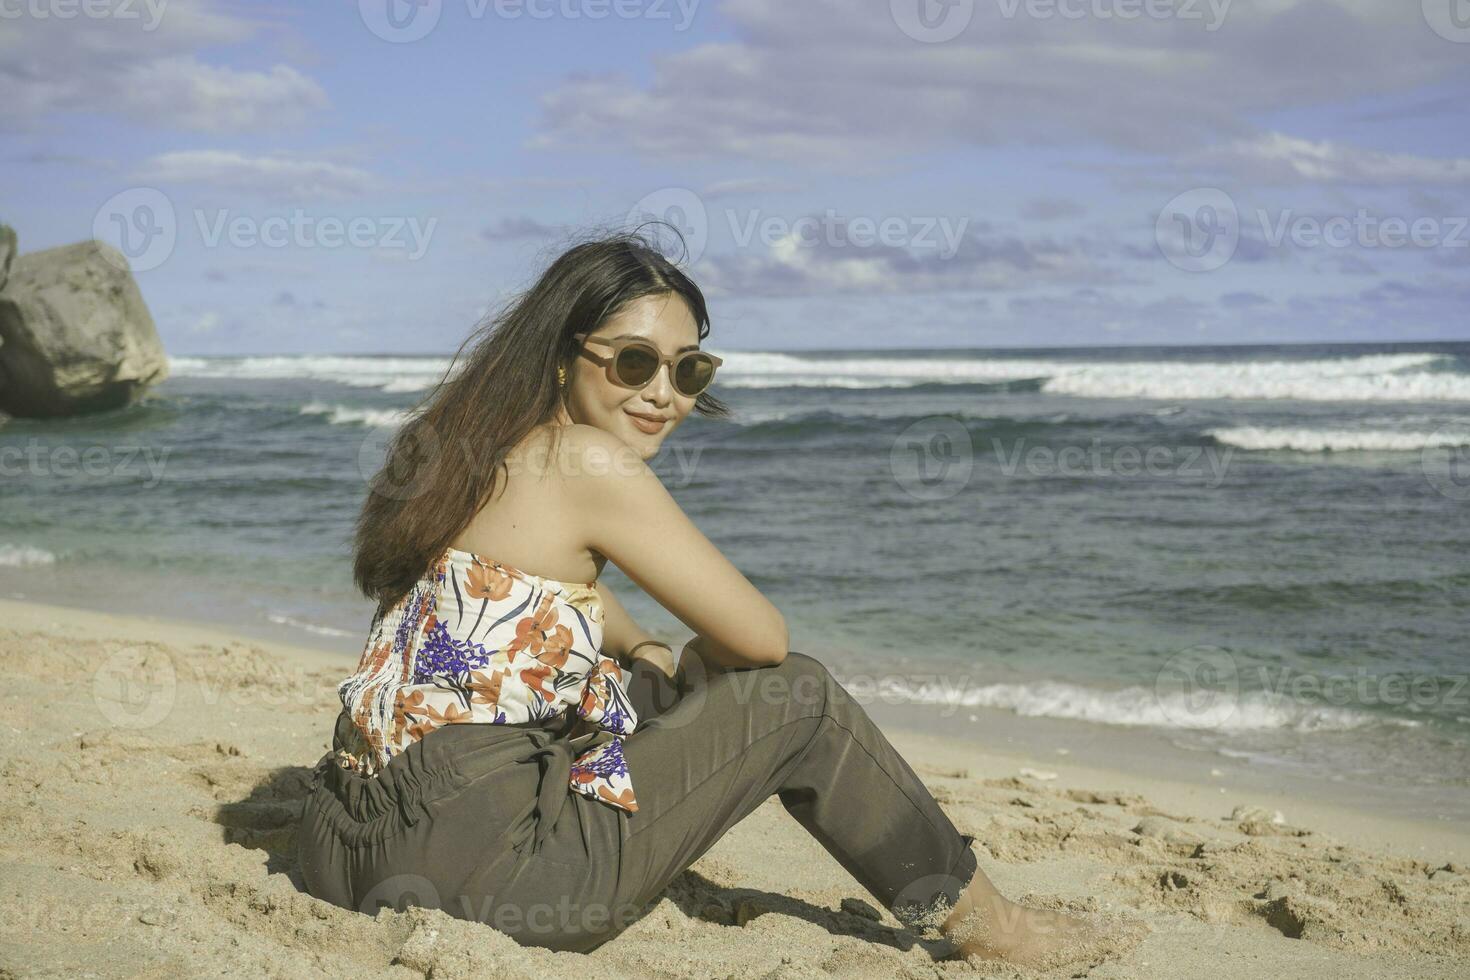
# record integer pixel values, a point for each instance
(376, 176)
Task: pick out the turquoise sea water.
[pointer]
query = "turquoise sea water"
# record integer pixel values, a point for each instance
(1263, 552)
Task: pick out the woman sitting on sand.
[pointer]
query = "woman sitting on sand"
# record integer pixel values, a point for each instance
(514, 748)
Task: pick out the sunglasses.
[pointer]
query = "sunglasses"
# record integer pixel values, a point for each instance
(634, 363)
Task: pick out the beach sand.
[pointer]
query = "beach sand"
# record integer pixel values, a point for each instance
(149, 833)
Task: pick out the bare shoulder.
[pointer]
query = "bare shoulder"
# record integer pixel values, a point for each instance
(595, 460)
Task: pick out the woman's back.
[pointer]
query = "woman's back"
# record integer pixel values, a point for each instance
(533, 520)
(478, 641)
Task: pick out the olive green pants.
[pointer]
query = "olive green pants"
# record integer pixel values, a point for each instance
(478, 820)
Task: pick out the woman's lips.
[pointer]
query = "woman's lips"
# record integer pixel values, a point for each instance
(647, 424)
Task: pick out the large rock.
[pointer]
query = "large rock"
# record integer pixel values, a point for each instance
(75, 334)
(7, 252)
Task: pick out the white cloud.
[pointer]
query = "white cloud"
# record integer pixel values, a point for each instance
(155, 76)
(274, 177)
(192, 95)
(834, 265)
(837, 83)
(1279, 158)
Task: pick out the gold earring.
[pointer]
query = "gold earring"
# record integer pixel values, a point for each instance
(561, 376)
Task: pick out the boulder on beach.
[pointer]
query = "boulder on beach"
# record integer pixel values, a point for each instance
(75, 334)
(7, 252)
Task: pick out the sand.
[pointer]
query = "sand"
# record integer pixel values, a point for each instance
(149, 833)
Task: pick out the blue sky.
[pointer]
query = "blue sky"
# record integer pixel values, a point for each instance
(996, 173)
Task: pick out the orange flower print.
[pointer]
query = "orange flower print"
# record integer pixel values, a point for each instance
(534, 677)
(555, 646)
(376, 658)
(623, 799)
(539, 634)
(485, 688)
(487, 582)
(415, 704)
(593, 698)
(419, 672)
(400, 719)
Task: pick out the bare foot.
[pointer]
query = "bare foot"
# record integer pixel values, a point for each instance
(1023, 936)
(984, 924)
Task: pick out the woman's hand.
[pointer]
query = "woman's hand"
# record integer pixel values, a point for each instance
(657, 653)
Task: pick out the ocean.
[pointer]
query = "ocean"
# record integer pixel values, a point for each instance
(1253, 553)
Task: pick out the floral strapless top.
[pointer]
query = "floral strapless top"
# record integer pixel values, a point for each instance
(476, 641)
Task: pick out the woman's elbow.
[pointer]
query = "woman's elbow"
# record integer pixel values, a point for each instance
(780, 643)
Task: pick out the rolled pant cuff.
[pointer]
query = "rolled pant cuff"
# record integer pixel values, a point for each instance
(925, 904)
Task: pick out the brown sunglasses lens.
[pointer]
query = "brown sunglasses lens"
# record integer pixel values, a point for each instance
(694, 373)
(636, 365)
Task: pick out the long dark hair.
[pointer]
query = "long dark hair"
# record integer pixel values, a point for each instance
(442, 465)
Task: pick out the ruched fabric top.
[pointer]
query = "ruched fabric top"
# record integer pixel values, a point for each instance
(476, 641)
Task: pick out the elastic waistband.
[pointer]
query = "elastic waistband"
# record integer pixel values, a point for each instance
(368, 808)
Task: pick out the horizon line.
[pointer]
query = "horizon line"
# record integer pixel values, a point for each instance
(877, 350)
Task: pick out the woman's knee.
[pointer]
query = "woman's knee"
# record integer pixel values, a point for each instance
(805, 679)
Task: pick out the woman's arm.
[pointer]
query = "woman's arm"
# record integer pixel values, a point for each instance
(621, 633)
(627, 514)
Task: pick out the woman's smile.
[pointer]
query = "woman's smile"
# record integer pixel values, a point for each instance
(647, 423)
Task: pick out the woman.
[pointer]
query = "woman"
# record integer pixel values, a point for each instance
(513, 747)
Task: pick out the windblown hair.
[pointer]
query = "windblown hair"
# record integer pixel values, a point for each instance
(444, 463)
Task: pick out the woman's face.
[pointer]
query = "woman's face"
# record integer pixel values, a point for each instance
(643, 417)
